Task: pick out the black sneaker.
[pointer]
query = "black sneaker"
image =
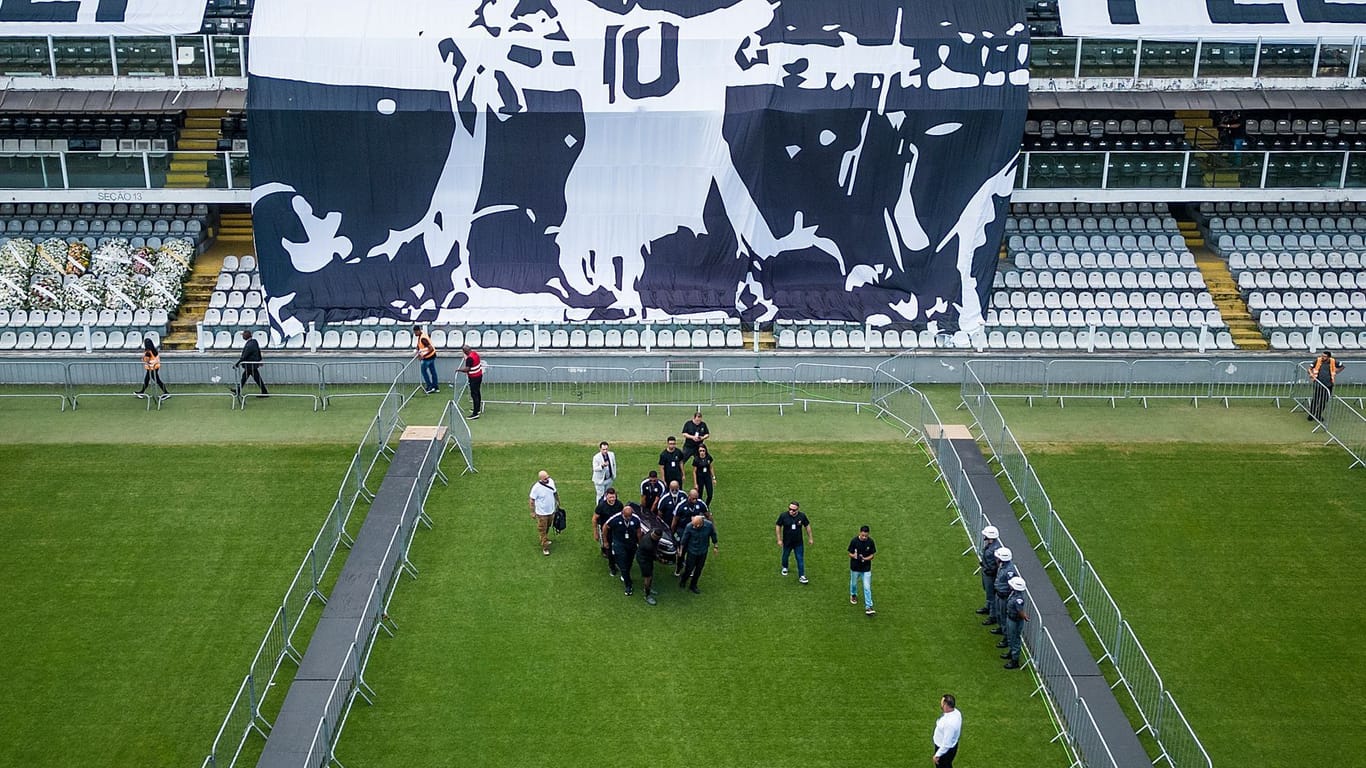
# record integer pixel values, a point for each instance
(163, 398)
(983, 611)
(139, 395)
(1012, 665)
(988, 622)
(695, 590)
(997, 631)
(1005, 655)
(474, 416)
(628, 591)
(1003, 644)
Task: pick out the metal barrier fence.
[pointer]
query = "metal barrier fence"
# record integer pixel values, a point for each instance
(42, 376)
(1343, 424)
(244, 713)
(1094, 603)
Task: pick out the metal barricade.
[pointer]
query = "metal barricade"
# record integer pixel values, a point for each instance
(516, 385)
(1256, 380)
(1100, 611)
(1180, 747)
(1175, 379)
(243, 718)
(579, 386)
(1139, 677)
(754, 386)
(1064, 553)
(1013, 378)
(359, 378)
(824, 383)
(184, 377)
(1087, 380)
(288, 378)
(23, 379)
(670, 386)
(1345, 426)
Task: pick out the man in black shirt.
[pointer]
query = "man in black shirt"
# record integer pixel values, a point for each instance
(697, 534)
(622, 531)
(695, 433)
(669, 502)
(645, 556)
(691, 507)
(651, 491)
(671, 462)
(608, 506)
(250, 363)
(861, 551)
(788, 529)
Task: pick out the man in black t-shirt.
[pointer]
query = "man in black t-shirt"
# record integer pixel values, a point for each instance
(861, 551)
(622, 532)
(669, 503)
(645, 557)
(788, 529)
(671, 462)
(651, 491)
(695, 433)
(608, 506)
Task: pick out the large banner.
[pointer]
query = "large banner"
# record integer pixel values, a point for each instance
(1223, 20)
(511, 160)
(100, 18)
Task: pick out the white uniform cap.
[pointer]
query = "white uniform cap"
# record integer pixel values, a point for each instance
(1003, 554)
(990, 532)
(1017, 584)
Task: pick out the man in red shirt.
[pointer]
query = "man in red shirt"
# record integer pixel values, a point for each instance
(473, 368)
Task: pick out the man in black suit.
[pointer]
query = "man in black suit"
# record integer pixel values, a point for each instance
(250, 363)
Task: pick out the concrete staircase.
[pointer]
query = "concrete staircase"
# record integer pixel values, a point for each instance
(234, 229)
(182, 333)
(189, 169)
(1224, 291)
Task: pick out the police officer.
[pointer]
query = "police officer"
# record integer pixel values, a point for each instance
(622, 530)
(989, 564)
(1015, 617)
(1004, 573)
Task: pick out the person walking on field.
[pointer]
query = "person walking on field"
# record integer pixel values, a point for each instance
(789, 529)
(250, 363)
(622, 534)
(704, 472)
(604, 469)
(671, 462)
(426, 352)
(1323, 374)
(151, 366)
(861, 552)
(695, 434)
(544, 500)
(473, 368)
(947, 730)
(697, 535)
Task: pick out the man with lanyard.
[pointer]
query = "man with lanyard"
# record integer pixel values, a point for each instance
(697, 534)
(987, 560)
(473, 368)
(651, 491)
(426, 352)
(671, 461)
(695, 433)
(1323, 374)
(622, 531)
(669, 503)
(604, 469)
(608, 507)
(250, 363)
(789, 529)
(1001, 586)
(1015, 617)
(691, 507)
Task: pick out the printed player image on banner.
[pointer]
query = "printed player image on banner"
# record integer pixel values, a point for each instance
(512, 160)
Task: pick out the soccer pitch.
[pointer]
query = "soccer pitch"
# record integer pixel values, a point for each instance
(146, 552)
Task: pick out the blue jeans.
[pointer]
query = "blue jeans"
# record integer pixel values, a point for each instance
(867, 586)
(429, 373)
(800, 552)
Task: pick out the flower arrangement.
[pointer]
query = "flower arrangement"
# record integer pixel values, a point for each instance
(45, 292)
(143, 261)
(122, 292)
(112, 258)
(51, 257)
(13, 293)
(77, 258)
(162, 292)
(16, 259)
(85, 292)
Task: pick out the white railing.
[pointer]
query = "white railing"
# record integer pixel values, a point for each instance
(1192, 169)
(179, 56)
(125, 168)
(1076, 58)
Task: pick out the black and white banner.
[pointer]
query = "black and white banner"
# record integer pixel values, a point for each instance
(100, 18)
(1222, 20)
(447, 160)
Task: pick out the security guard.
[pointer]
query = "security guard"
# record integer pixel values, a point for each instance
(990, 564)
(1004, 573)
(622, 532)
(1015, 615)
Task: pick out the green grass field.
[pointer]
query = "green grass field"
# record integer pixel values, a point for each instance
(146, 551)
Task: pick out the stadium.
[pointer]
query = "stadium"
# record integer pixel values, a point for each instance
(298, 297)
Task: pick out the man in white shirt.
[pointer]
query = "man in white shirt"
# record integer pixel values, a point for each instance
(604, 469)
(544, 500)
(946, 732)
